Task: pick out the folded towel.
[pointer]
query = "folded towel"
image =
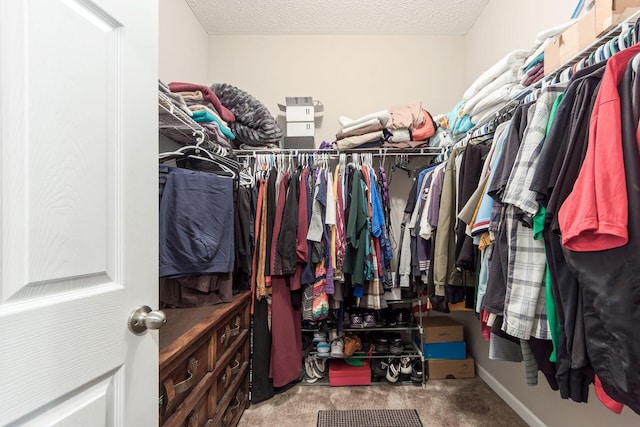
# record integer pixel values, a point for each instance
(512, 60)
(400, 135)
(194, 94)
(553, 31)
(509, 77)
(370, 122)
(208, 95)
(360, 131)
(204, 116)
(355, 141)
(501, 95)
(382, 116)
(200, 107)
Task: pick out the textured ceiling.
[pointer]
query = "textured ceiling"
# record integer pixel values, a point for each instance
(441, 17)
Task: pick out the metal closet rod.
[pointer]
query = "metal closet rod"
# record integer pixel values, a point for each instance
(378, 152)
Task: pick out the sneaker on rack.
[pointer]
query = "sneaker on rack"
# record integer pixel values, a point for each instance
(352, 344)
(307, 344)
(319, 366)
(319, 336)
(356, 321)
(369, 320)
(378, 369)
(381, 342)
(396, 346)
(403, 316)
(323, 348)
(417, 370)
(405, 365)
(393, 370)
(337, 348)
(310, 375)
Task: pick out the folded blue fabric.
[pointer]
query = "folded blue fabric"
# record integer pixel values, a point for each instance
(538, 59)
(204, 116)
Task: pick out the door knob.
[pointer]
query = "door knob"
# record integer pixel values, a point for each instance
(143, 318)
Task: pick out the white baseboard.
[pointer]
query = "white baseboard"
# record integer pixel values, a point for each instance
(515, 404)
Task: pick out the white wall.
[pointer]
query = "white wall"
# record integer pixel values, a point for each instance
(507, 25)
(351, 75)
(183, 44)
(503, 26)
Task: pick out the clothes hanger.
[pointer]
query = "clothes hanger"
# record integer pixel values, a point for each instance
(196, 153)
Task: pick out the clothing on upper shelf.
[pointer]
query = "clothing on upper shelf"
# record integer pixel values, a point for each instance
(401, 126)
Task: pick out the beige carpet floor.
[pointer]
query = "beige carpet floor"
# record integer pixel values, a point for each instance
(464, 402)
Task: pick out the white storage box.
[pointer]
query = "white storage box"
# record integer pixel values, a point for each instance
(300, 108)
(300, 129)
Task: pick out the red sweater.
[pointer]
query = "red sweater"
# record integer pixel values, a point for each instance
(594, 216)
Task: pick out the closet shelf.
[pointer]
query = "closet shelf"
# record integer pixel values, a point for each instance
(177, 125)
(379, 152)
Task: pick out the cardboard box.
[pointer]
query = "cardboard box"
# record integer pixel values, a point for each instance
(441, 329)
(611, 12)
(451, 369)
(443, 350)
(343, 374)
(571, 42)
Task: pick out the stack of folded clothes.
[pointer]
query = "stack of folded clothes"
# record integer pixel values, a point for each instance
(206, 109)
(401, 126)
(230, 115)
(496, 87)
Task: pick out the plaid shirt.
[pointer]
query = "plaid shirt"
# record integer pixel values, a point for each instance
(525, 306)
(525, 313)
(517, 192)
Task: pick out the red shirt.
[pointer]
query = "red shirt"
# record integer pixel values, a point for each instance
(594, 216)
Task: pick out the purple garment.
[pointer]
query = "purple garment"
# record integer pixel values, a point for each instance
(434, 203)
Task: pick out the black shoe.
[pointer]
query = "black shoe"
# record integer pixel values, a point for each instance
(396, 346)
(381, 342)
(417, 372)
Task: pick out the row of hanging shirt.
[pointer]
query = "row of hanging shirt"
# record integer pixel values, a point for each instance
(326, 229)
(551, 208)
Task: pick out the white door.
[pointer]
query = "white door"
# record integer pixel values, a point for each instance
(78, 216)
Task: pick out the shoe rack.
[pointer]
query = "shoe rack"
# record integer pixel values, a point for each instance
(408, 333)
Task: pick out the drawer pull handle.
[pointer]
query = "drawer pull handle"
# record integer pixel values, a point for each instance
(235, 366)
(236, 327)
(194, 420)
(226, 377)
(185, 385)
(225, 336)
(173, 390)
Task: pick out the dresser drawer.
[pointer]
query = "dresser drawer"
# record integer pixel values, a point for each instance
(228, 333)
(198, 347)
(228, 375)
(179, 378)
(234, 399)
(199, 416)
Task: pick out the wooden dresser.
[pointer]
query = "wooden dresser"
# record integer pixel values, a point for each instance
(204, 364)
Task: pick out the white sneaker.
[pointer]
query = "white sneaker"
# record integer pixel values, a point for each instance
(337, 348)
